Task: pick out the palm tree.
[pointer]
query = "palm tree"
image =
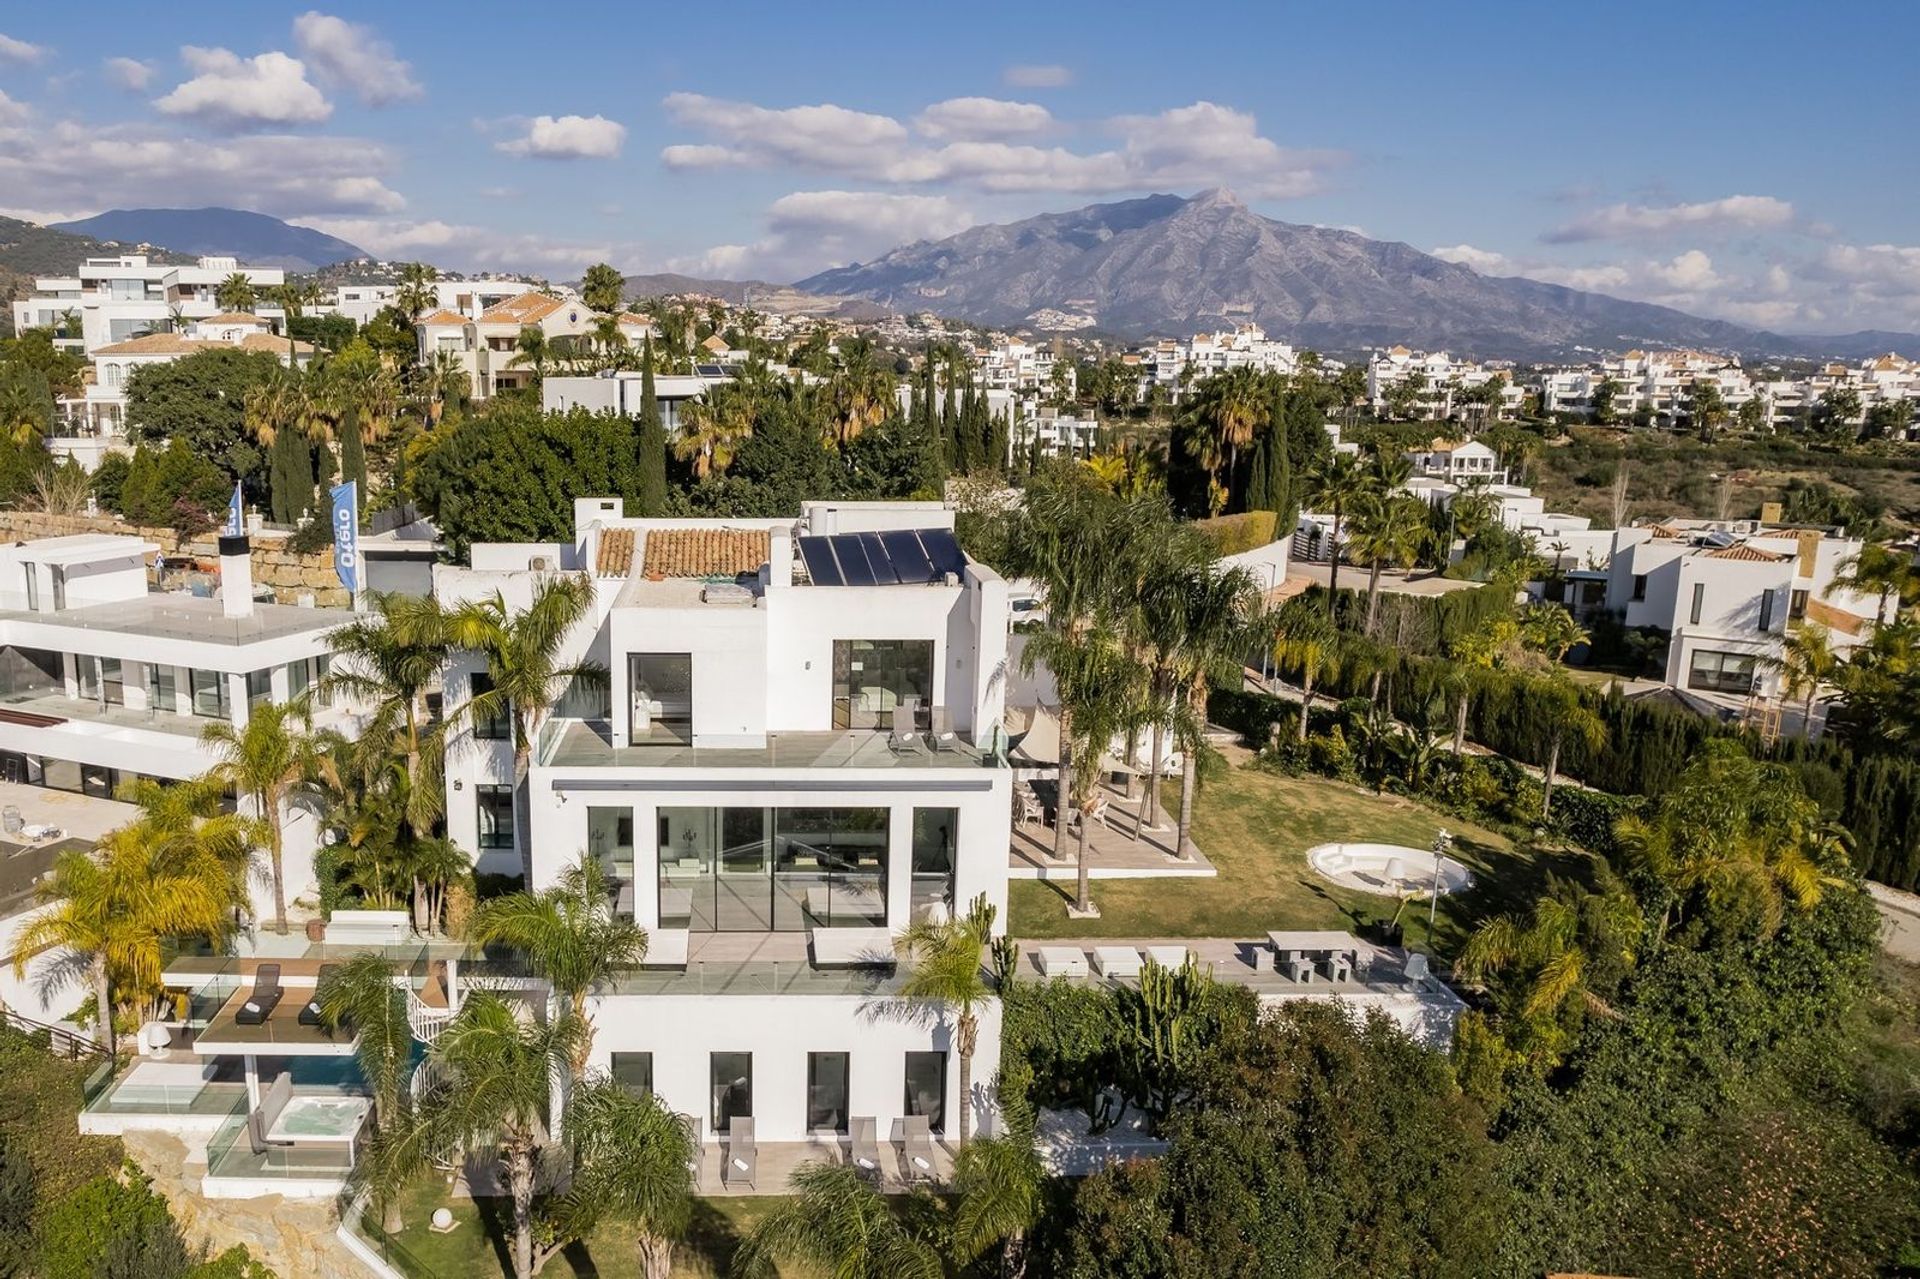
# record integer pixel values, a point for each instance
(532, 351)
(1305, 637)
(1334, 485)
(945, 969)
(1549, 628)
(860, 393)
(25, 406)
(1001, 1184)
(1807, 661)
(495, 1065)
(388, 660)
(632, 1160)
(1474, 653)
(1218, 625)
(273, 761)
(1388, 531)
(168, 874)
(570, 935)
(235, 293)
(522, 649)
(416, 294)
(362, 997)
(1233, 405)
(1108, 691)
(1156, 623)
(1568, 715)
(1884, 571)
(836, 1221)
(713, 428)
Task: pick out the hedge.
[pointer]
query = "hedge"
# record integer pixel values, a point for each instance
(1232, 534)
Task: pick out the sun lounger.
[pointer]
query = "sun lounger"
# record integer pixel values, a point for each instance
(943, 738)
(864, 1151)
(260, 1002)
(261, 1119)
(1058, 961)
(915, 1140)
(1116, 961)
(904, 737)
(310, 1014)
(742, 1156)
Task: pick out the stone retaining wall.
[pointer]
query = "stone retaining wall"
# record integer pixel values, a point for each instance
(290, 575)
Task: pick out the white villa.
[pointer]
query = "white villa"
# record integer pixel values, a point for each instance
(115, 299)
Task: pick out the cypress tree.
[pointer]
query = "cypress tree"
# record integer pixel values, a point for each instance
(1280, 483)
(997, 444)
(279, 479)
(316, 464)
(652, 496)
(950, 430)
(1259, 473)
(933, 431)
(353, 454)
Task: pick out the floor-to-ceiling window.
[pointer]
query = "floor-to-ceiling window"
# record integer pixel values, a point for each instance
(610, 840)
(731, 1078)
(495, 810)
(827, 1091)
(211, 699)
(927, 1088)
(936, 833)
(772, 869)
(872, 677)
(660, 697)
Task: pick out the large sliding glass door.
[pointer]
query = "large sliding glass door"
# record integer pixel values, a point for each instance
(772, 869)
(872, 677)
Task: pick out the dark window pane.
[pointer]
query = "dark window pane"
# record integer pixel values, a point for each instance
(494, 723)
(935, 838)
(927, 1088)
(827, 1091)
(496, 815)
(731, 1076)
(633, 1072)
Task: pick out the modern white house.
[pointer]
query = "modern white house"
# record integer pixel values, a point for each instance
(464, 297)
(621, 392)
(487, 346)
(118, 298)
(798, 754)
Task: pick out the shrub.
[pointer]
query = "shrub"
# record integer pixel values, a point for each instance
(1232, 534)
(79, 1230)
(110, 479)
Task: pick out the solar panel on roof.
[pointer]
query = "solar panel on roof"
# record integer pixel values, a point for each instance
(909, 557)
(884, 572)
(853, 561)
(943, 551)
(821, 566)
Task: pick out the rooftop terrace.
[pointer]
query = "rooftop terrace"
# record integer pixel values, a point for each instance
(187, 617)
(577, 743)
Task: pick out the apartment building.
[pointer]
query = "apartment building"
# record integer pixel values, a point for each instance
(1014, 367)
(468, 298)
(1658, 386)
(114, 299)
(1058, 434)
(1438, 380)
(1176, 365)
(797, 755)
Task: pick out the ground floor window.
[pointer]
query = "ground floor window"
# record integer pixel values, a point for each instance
(1720, 672)
(731, 1077)
(633, 1072)
(827, 1091)
(496, 815)
(927, 1088)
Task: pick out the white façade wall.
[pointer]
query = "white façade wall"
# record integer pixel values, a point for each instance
(804, 621)
(54, 984)
(729, 647)
(780, 1030)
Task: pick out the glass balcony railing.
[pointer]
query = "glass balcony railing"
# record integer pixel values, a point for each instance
(231, 1155)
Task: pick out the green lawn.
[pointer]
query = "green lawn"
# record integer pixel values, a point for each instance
(1256, 828)
(480, 1242)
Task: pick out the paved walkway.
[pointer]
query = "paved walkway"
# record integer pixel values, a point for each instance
(1113, 852)
(1899, 922)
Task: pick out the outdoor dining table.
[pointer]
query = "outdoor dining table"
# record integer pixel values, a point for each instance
(1335, 949)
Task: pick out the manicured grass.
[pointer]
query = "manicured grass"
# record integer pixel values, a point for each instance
(480, 1244)
(1256, 828)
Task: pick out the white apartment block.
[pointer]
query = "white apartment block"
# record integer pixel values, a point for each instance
(119, 298)
(798, 755)
(620, 392)
(1661, 384)
(1059, 434)
(1177, 365)
(1440, 378)
(1015, 367)
(469, 298)
(487, 347)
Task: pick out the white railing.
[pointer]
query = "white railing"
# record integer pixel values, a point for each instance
(426, 1020)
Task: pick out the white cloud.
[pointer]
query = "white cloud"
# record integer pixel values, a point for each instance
(466, 248)
(809, 230)
(349, 55)
(975, 118)
(1201, 145)
(568, 137)
(130, 73)
(68, 166)
(1630, 221)
(12, 50)
(232, 92)
(1485, 261)
(12, 112)
(1037, 75)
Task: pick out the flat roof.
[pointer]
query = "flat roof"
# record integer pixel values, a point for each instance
(22, 865)
(84, 548)
(190, 617)
(577, 744)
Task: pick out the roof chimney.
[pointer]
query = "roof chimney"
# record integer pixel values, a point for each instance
(236, 576)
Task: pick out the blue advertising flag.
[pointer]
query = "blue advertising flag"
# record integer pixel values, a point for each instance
(236, 518)
(346, 534)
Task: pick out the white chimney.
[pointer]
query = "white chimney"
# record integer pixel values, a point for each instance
(236, 577)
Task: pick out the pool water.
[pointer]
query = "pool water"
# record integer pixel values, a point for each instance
(322, 1117)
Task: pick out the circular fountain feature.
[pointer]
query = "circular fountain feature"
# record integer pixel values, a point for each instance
(1387, 869)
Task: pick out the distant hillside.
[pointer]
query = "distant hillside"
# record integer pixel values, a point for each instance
(254, 238)
(1164, 265)
(783, 299)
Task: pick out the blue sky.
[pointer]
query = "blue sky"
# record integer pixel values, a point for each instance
(1753, 161)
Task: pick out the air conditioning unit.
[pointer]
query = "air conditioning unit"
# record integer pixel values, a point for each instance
(540, 564)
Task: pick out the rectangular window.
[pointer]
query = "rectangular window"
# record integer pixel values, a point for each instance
(113, 682)
(827, 1091)
(259, 687)
(1699, 600)
(495, 724)
(927, 1088)
(936, 835)
(1639, 586)
(211, 699)
(161, 694)
(1766, 611)
(660, 693)
(1719, 672)
(610, 839)
(633, 1072)
(731, 1078)
(496, 815)
(872, 677)
(1797, 605)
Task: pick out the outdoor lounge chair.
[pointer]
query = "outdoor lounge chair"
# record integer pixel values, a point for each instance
(265, 996)
(1116, 961)
(1031, 810)
(915, 1140)
(261, 1118)
(903, 737)
(742, 1156)
(943, 738)
(864, 1150)
(1062, 961)
(310, 1014)
(692, 1125)
(1415, 968)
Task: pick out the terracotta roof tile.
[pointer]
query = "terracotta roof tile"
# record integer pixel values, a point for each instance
(1750, 554)
(705, 552)
(527, 308)
(234, 317)
(442, 316)
(616, 552)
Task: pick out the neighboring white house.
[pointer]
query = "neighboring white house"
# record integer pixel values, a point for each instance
(620, 393)
(797, 756)
(1458, 462)
(115, 299)
(488, 347)
(101, 411)
(468, 298)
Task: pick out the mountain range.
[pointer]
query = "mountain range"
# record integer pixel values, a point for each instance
(1167, 265)
(254, 238)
